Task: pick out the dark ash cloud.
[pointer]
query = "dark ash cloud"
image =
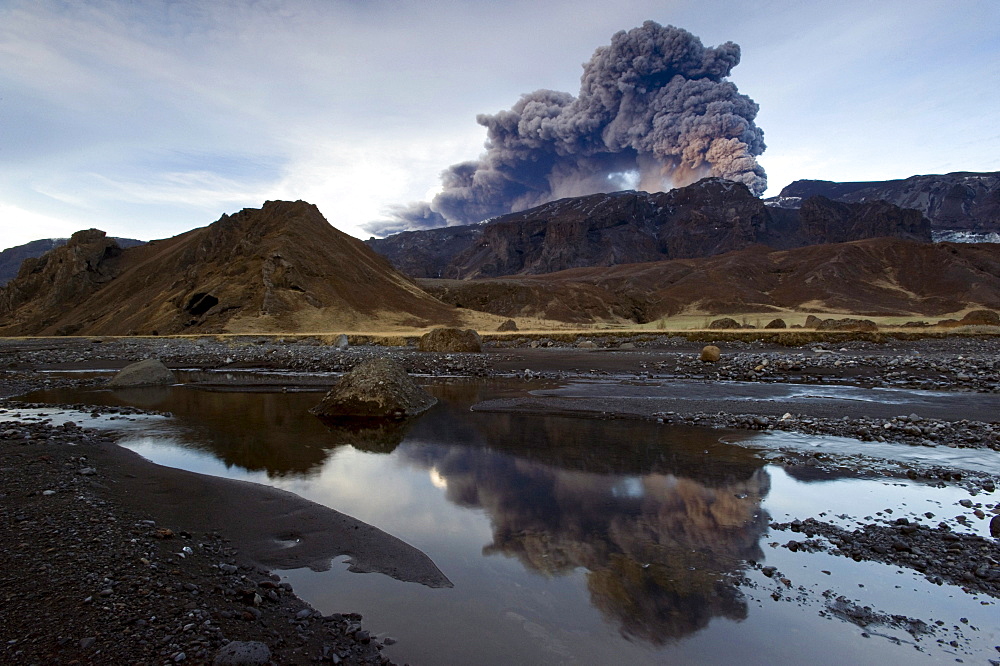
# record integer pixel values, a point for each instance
(653, 112)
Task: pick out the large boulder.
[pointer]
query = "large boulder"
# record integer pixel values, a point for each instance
(509, 325)
(724, 323)
(776, 323)
(150, 372)
(847, 324)
(375, 389)
(979, 318)
(451, 340)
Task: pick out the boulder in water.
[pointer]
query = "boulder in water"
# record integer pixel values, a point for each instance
(150, 372)
(376, 389)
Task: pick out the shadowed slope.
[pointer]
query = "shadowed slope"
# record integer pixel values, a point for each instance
(881, 276)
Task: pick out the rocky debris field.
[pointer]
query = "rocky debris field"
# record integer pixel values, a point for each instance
(942, 555)
(84, 579)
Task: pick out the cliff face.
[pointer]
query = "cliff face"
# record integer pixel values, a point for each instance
(711, 217)
(12, 258)
(281, 267)
(67, 274)
(960, 201)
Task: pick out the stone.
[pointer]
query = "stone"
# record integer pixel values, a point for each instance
(724, 323)
(995, 527)
(710, 354)
(150, 372)
(586, 344)
(376, 389)
(341, 342)
(243, 653)
(980, 318)
(846, 324)
(776, 323)
(451, 340)
(509, 325)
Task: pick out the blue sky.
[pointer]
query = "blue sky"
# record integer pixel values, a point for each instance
(150, 118)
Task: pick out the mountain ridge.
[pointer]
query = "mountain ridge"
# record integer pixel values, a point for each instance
(957, 201)
(281, 267)
(710, 217)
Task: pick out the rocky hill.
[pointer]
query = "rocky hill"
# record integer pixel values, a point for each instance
(881, 276)
(960, 201)
(710, 217)
(12, 257)
(278, 268)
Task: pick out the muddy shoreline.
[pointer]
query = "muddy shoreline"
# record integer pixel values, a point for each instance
(128, 501)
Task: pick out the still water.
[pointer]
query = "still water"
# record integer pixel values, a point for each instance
(569, 540)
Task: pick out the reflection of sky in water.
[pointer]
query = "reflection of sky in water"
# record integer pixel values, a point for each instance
(567, 540)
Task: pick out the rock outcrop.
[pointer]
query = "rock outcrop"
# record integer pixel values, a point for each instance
(376, 389)
(451, 340)
(710, 217)
(12, 258)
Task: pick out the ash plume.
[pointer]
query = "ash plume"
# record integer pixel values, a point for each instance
(653, 112)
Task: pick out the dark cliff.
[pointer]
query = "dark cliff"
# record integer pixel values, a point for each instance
(710, 217)
(12, 257)
(960, 201)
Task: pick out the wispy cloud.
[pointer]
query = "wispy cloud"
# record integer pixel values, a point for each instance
(150, 117)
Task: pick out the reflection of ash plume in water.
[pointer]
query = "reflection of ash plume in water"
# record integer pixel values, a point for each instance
(660, 549)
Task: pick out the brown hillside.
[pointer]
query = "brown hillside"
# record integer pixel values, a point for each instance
(881, 276)
(278, 268)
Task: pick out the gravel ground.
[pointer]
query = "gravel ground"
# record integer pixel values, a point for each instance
(85, 578)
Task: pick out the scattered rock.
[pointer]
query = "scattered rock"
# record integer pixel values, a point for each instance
(710, 354)
(376, 389)
(243, 653)
(144, 373)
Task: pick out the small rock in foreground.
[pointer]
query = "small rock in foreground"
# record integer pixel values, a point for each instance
(710, 354)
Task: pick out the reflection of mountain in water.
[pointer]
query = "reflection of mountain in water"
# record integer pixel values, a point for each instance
(257, 431)
(661, 527)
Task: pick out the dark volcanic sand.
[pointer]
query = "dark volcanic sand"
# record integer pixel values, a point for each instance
(85, 576)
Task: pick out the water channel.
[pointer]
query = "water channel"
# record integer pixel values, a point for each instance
(568, 540)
